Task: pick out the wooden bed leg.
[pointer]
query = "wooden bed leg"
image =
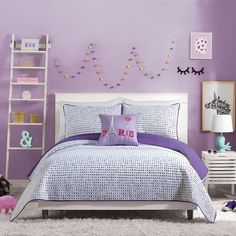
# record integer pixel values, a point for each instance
(190, 214)
(45, 214)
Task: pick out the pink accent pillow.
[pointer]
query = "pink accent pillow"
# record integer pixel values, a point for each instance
(118, 130)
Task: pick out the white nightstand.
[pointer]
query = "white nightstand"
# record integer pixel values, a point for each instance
(221, 168)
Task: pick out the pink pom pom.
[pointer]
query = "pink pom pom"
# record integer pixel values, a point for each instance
(7, 202)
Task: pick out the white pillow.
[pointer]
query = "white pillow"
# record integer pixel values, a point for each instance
(61, 133)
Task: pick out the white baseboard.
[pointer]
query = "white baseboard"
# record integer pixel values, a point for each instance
(16, 183)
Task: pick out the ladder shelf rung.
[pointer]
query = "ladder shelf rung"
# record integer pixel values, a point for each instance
(29, 52)
(27, 149)
(28, 100)
(30, 67)
(30, 124)
(21, 84)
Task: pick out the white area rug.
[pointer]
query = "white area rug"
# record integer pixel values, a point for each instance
(117, 223)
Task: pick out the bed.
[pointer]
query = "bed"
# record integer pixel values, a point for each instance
(113, 204)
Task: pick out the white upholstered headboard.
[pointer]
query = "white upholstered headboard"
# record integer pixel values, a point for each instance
(101, 97)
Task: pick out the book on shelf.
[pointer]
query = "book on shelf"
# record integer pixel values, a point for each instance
(22, 80)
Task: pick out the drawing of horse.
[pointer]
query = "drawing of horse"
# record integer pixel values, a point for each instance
(221, 107)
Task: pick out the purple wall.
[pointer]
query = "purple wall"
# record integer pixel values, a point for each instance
(114, 27)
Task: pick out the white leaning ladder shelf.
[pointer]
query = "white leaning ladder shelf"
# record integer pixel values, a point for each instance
(16, 50)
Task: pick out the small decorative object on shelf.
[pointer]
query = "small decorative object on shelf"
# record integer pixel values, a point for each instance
(211, 151)
(34, 117)
(218, 171)
(26, 94)
(27, 80)
(4, 186)
(29, 45)
(26, 139)
(27, 63)
(19, 117)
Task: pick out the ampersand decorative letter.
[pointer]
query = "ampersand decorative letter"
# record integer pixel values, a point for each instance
(26, 140)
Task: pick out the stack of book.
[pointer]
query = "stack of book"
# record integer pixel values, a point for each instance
(27, 80)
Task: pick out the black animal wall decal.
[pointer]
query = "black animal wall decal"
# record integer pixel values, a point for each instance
(221, 107)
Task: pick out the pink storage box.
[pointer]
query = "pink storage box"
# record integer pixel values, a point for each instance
(22, 80)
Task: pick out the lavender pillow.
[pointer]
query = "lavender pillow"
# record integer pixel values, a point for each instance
(118, 130)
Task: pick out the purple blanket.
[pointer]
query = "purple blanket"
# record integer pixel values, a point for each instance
(157, 140)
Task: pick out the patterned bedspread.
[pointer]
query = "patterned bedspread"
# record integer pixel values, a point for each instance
(81, 170)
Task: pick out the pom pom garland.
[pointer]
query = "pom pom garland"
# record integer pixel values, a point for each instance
(133, 59)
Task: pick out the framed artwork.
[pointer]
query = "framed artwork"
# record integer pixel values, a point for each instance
(30, 45)
(201, 45)
(218, 98)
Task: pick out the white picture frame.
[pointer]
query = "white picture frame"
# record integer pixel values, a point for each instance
(201, 45)
(29, 44)
(218, 98)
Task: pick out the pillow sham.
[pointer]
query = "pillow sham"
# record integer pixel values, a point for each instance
(85, 119)
(156, 119)
(118, 130)
(61, 132)
(149, 103)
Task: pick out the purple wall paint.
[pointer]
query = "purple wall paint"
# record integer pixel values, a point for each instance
(115, 26)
